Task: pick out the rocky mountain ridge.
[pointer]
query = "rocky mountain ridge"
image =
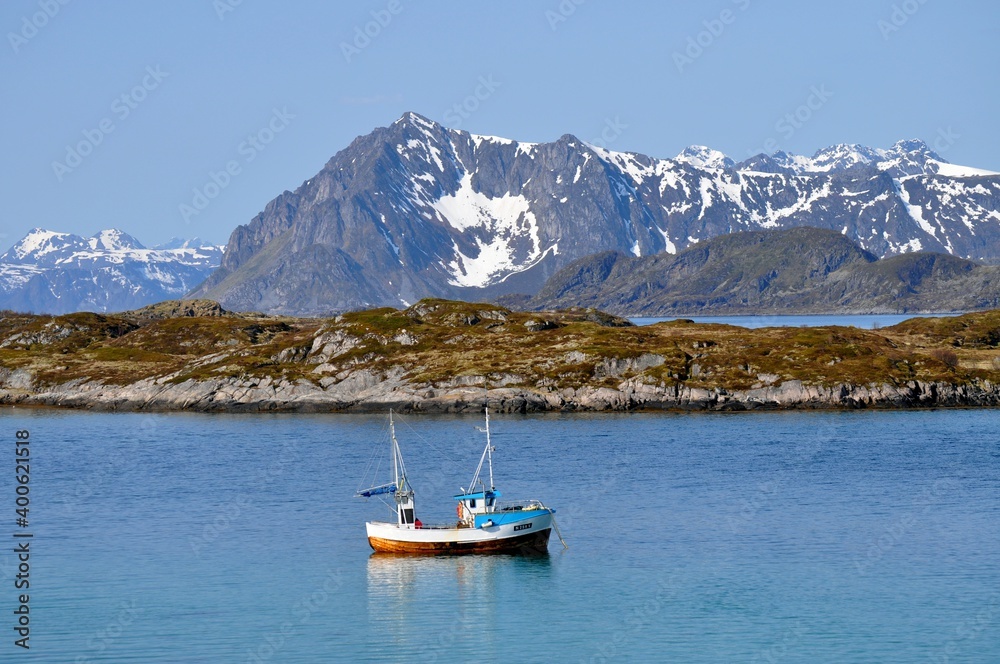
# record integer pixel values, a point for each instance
(799, 270)
(416, 209)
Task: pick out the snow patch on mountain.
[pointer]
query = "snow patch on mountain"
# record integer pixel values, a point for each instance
(468, 208)
(956, 171)
(704, 157)
(907, 157)
(915, 211)
(479, 139)
(113, 240)
(15, 276)
(843, 157)
(40, 242)
(505, 219)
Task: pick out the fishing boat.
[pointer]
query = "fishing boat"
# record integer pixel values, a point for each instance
(485, 523)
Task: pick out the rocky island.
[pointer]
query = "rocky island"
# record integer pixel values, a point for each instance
(442, 356)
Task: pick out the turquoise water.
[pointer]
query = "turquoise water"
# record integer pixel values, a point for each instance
(864, 321)
(763, 537)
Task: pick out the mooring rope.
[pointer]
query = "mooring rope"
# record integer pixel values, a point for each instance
(559, 534)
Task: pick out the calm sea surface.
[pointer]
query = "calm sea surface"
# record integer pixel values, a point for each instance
(864, 321)
(760, 537)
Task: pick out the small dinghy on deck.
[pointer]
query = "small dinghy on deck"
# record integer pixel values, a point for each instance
(485, 523)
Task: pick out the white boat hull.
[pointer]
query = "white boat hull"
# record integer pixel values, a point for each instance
(529, 535)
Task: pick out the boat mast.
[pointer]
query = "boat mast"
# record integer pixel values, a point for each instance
(403, 492)
(395, 459)
(487, 456)
(399, 486)
(489, 445)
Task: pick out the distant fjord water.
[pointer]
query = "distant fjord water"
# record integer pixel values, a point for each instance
(862, 321)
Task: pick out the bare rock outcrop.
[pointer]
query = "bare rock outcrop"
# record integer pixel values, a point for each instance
(366, 390)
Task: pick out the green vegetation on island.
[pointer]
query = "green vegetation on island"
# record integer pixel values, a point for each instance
(436, 346)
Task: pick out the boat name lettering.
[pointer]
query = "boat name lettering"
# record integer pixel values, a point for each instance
(523, 526)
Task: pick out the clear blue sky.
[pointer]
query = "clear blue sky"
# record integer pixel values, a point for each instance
(875, 71)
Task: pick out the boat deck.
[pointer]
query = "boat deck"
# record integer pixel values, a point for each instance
(436, 526)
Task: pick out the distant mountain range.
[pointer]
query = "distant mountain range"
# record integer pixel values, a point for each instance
(50, 272)
(799, 270)
(416, 209)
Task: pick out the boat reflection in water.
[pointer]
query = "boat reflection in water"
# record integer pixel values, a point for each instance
(406, 593)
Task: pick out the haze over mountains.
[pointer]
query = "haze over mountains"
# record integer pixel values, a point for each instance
(416, 209)
(59, 273)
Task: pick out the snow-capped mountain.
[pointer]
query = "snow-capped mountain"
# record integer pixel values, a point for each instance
(181, 243)
(416, 209)
(905, 158)
(51, 272)
(700, 156)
